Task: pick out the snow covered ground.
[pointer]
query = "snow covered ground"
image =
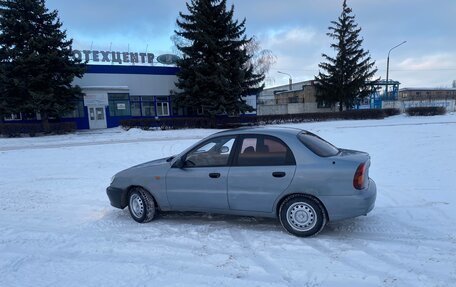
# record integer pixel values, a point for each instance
(58, 229)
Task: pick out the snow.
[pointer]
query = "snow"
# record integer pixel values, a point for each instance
(58, 229)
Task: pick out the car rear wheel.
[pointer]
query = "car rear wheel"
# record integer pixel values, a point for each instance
(141, 205)
(302, 216)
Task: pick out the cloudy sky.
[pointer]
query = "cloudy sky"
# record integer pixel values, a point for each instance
(294, 30)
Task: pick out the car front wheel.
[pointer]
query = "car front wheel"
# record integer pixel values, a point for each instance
(302, 216)
(141, 205)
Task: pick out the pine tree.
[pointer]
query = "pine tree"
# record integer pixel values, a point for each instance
(36, 64)
(214, 70)
(346, 76)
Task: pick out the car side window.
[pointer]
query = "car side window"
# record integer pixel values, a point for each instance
(259, 150)
(214, 152)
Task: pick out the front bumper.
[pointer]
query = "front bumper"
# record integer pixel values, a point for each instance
(343, 207)
(115, 196)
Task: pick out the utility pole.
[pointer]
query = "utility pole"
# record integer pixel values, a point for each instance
(290, 81)
(388, 64)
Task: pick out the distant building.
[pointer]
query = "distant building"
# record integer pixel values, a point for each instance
(281, 100)
(426, 94)
(424, 97)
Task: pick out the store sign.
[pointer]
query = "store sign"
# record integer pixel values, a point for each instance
(121, 107)
(113, 57)
(96, 100)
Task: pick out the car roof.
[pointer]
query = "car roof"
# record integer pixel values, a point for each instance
(261, 130)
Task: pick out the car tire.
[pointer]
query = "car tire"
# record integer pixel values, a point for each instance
(302, 215)
(141, 205)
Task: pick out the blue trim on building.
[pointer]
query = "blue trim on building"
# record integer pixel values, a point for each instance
(114, 121)
(81, 123)
(133, 70)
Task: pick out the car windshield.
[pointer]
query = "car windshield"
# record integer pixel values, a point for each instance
(317, 145)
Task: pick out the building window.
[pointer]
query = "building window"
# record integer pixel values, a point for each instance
(162, 106)
(119, 105)
(135, 109)
(148, 106)
(293, 100)
(135, 106)
(163, 109)
(78, 111)
(13, 117)
(323, 105)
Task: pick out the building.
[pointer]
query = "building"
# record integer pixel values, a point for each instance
(301, 98)
(113, 93)
(427, 94)
(424, 97)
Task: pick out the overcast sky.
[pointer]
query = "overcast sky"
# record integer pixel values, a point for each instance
(294, 30)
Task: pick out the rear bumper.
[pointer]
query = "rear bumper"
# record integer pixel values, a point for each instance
(343, 207)
(115, 196)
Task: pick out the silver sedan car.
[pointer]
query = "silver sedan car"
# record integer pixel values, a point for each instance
(286, 173)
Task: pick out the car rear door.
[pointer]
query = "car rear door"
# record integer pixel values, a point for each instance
(202, 183)
(263, 167)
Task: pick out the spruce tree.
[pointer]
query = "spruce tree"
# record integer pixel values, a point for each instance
(36, 64)
(214, 70)
(346, 76)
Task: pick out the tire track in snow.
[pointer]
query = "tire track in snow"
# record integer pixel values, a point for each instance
(389, 228)
(336, 256)
(167, 241)
(168, 265)
(395, 235)
(363, 246)
(267, 265)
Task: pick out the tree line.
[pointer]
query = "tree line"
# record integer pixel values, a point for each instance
(218, 62)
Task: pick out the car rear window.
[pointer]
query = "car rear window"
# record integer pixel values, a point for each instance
(317, 145)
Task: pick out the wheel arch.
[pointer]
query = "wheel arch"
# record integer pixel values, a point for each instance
(310, 196)
(129, 189)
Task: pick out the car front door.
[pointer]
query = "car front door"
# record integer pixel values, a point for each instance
(201, 184)
(263, 167)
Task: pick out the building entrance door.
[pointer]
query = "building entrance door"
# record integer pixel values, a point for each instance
(97, 117)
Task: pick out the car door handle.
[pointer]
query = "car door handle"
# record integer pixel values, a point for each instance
(278, 174)
(214, 175)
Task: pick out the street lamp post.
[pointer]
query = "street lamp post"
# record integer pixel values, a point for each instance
(290, 81)
(388, 64)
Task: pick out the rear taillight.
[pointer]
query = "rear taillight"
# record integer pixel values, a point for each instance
(359, 180)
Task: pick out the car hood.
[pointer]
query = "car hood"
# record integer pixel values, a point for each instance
(157, 164)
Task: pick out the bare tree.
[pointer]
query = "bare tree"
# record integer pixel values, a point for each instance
(262, 59)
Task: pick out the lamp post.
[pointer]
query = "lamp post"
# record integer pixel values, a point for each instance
(388, 64)
(290, 81)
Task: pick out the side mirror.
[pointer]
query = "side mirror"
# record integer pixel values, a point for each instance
(179, 163)
(225, 149)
